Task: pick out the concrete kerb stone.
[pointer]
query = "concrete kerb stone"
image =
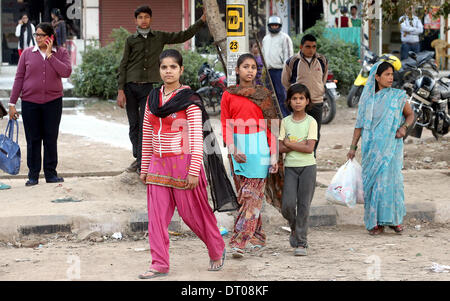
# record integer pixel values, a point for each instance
(87, 226)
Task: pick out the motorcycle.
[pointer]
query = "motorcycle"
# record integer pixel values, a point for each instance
(430, 101)
(404, 73)
(408, 73)
(213, 84)
(329, 99)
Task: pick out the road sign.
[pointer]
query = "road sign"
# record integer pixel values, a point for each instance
(235, 20)
(237, 38)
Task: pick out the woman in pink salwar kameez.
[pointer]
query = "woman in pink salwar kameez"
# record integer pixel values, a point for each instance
(172, 155)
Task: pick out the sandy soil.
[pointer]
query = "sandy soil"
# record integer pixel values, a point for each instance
(336, 253)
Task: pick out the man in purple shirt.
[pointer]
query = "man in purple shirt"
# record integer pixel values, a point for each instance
(38, 84)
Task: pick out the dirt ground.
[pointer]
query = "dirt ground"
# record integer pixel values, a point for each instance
(336, 253)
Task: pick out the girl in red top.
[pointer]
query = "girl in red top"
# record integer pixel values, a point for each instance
(245, 110)
(172, 154)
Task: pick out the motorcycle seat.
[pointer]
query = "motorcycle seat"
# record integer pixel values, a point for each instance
(444, 88)
(445, 92)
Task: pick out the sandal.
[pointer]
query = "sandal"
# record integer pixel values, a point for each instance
(237, 253)
(376, 230)
(218, 268)
(256, 248)
(4, 186)
(397, 229)
(154, 274)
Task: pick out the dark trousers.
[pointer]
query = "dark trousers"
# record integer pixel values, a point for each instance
(298, 191)
(275, 75)
(316, 113)
(41, 124)
(136, 95)
(407, 47)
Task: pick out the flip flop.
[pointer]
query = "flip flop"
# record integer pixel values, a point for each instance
(256, 248)
(4, 186)
(155, 274)
(237, 253)
(221, 265)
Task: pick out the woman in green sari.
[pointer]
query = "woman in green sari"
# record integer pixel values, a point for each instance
(384, 116)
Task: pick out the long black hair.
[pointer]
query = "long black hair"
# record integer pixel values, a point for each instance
(241, 60)
(48, 29)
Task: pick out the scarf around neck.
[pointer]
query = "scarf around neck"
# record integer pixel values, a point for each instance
(143, 32)
(222, 192)
(260, 96)
(27, 28)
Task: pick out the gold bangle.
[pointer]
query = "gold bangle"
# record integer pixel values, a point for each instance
(406, 126)
(49, 56)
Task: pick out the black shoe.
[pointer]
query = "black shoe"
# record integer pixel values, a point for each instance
(31, 182)
(55, 180)
(133, 167)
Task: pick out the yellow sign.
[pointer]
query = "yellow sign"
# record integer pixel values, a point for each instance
(235, 20)
(234, 46)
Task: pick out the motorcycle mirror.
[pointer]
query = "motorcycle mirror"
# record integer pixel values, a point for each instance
(413, 55)
(366, 37)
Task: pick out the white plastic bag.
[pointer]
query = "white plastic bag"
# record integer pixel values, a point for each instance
(346, 187)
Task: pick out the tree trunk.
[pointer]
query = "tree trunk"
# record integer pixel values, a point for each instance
(216, 27)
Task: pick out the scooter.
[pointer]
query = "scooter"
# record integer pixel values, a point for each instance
(368, 61)
(329, 99)
(404, 73)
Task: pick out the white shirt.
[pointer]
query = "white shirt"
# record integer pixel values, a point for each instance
(36, 48)
(25, 36)
(277, 48)
(410, 32)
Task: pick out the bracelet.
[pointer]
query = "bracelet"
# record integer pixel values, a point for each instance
(353, 147)
(405, 125)
(49, 56)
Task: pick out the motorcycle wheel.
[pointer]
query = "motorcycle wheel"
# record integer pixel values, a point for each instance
(354, 95)
(328, 109)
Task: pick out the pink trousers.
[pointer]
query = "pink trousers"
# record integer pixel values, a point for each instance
(194, 209)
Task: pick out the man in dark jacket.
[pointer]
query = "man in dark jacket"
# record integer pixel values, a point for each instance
(139, 71)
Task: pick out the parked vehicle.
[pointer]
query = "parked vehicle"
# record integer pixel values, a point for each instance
(368, 61)
(213, 84)
(329, 99)
(430, 101)
(406, 71)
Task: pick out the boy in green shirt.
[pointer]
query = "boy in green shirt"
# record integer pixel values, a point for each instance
(355, 21)
(139, 71)
(298, 136)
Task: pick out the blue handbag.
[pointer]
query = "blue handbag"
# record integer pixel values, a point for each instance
(10, 150)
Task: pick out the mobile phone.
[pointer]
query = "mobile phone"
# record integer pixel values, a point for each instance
(52, 37)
